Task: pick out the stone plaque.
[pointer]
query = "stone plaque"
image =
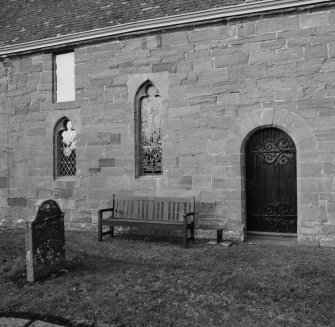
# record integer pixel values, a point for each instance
(45, 240)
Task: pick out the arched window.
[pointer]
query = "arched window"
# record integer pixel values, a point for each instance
(148, 133)
(64, 148)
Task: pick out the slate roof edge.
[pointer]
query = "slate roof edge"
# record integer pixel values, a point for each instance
(161, 22)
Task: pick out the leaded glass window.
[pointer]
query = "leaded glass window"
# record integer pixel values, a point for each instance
(65, 148)
(149, 132)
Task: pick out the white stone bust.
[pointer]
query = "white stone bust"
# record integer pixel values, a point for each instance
(69, 139)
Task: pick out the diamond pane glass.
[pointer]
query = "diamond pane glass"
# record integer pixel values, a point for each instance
(66, 149)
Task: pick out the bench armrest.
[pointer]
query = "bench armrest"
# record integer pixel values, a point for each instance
(105, 210)
(188, 214)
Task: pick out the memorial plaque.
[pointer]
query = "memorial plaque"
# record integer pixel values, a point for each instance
(45, 240)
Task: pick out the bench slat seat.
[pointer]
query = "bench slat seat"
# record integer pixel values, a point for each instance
(155, 212)
(139, 221)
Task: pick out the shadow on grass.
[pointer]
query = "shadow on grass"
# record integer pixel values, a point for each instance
(156, 282)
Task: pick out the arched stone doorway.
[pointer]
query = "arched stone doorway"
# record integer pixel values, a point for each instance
(271, 182)
(310, 185)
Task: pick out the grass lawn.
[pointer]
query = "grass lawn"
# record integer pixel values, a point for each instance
(137, 282)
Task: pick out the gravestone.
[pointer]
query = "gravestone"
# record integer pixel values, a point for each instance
(45, 240)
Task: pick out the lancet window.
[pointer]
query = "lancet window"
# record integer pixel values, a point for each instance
(65, 148)
(149, 106)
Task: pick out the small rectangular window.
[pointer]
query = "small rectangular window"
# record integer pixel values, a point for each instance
(64, 88)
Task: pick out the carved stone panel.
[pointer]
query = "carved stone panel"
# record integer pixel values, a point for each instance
(45, 240)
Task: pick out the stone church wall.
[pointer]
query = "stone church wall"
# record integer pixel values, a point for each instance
(218, 83)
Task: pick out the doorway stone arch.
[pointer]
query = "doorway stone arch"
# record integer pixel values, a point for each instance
(309, 171)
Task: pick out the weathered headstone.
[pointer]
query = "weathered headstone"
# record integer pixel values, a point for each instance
(45, 240)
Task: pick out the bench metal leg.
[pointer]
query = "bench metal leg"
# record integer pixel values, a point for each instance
(192, 231)
(99, 227)
(185, 232)
(111, 231)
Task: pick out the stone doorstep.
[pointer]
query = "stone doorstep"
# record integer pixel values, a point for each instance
(212, 243)
(17, 322)
(224, 243)
(39, 323)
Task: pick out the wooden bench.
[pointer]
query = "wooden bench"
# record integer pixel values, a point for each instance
(155, 212)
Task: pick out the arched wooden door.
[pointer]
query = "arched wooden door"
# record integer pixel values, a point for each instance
(271, 182)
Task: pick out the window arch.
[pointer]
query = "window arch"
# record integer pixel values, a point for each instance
(64, 148)
(148, 133)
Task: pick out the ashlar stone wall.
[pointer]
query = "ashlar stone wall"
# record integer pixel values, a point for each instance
(218, 83)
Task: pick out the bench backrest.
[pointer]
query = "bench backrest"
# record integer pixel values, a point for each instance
(153, 208)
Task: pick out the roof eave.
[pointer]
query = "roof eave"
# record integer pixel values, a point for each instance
(161, 22)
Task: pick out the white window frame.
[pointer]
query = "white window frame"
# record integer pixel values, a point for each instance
(64, 77)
